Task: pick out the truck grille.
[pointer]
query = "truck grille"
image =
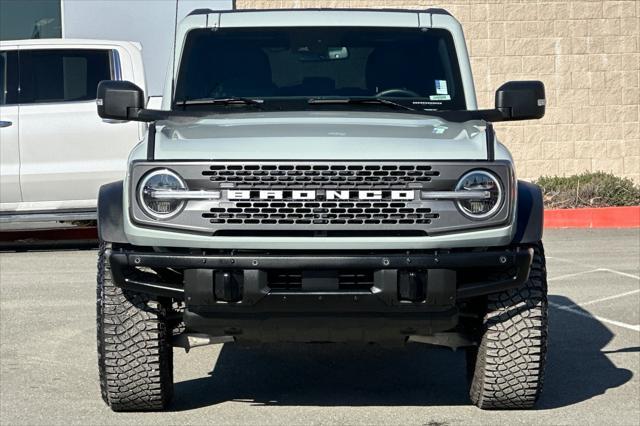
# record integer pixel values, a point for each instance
(329, 176)
(316, 176)
(324, 213)
(324, 198)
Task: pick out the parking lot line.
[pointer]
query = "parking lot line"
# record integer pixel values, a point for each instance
(613, 271)
(560, 259)
(602, 299)
(624, 274)
(571, 308)
(575, 274)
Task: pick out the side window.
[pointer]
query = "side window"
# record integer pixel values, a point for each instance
(62, 75)
(8, 77)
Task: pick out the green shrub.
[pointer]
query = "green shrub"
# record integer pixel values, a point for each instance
(597, 189)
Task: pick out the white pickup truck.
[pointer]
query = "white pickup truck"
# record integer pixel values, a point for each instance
(55, 152)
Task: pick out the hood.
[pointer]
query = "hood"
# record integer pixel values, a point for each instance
(314, 135)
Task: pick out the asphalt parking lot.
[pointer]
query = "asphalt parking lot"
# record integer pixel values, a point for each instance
(48, 372)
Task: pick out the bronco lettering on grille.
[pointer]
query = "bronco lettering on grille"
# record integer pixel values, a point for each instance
(320, 195)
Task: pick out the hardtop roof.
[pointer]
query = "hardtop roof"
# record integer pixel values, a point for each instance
(433, 10)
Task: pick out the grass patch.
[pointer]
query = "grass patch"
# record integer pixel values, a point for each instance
(591, 189)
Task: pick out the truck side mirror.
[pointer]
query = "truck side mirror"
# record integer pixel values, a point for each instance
(120, 100)
(521, 100)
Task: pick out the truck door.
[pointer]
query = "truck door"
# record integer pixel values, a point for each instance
(9, 125)
(67, 152)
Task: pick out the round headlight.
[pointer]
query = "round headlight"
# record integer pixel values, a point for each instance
(489, 191)
(154, 182)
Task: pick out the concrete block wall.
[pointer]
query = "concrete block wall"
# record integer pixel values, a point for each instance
(586, 52)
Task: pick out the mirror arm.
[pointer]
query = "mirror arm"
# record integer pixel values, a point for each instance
(147, 115)
(134, 114)
(505, 112)
(495, 115)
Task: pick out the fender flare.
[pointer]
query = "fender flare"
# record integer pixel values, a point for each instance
(110, 213)
(529, 214)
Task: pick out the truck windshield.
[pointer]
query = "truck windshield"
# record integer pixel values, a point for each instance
(416, 68)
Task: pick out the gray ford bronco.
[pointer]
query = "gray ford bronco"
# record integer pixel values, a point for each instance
(321, 176)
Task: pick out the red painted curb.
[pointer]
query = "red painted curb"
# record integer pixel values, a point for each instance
(601, 217)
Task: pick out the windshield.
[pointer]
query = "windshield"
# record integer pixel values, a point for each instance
(414, 67)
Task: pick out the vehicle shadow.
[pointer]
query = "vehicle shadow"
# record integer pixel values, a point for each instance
(415, 375)
(577, 366)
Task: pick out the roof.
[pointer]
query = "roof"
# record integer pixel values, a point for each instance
(317, 17)
(433, 10)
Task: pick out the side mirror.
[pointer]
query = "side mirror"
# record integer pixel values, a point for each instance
(521, 100)
(120, 100)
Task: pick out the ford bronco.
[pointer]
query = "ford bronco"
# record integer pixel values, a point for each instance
(321, 176)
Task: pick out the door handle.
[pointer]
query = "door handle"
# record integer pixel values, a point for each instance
(5, 123)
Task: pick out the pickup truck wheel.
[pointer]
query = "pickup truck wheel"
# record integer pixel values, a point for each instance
(507, 367)
(135, 357)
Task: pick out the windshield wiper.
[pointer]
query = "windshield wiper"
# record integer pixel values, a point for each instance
(222, 101)
(358, 101)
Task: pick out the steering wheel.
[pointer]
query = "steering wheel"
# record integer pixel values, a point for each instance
(401, 92)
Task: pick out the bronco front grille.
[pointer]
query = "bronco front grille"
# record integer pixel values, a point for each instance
(342, 198)
(248, 176)
(325, 213)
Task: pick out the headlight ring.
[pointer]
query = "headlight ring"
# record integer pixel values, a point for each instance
(160, 180)
(480, 180)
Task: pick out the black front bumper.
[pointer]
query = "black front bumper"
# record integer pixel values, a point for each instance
(231, 294)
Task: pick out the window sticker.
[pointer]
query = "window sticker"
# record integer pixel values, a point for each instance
(441, 87)
(440, 97)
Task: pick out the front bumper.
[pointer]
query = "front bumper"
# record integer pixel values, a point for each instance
(410, 294)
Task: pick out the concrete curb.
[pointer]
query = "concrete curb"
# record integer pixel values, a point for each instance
(602, 217)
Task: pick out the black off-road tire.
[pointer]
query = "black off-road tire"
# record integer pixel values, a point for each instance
(135, 357)
(507, 367)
